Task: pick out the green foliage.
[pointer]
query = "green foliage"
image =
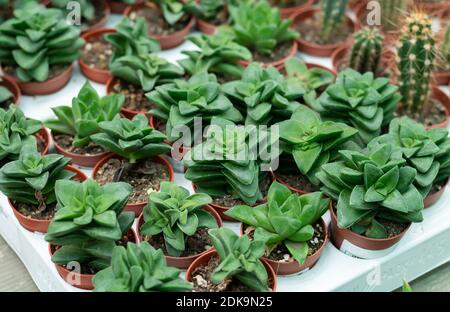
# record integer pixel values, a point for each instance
(15, 131)
(446, 48)
(286, 218)
(139, 268)
(31, 179)
(87, 7)
(5, 95)
(217, 54)
(82, 119)
(257, 36)
(333, 17)
(416, 54)
(132, 139)
(406, 287)
(177, 215)
(372, 186)
(36, 39)
(239, 258)
(205, 9)
(263, 95)
(173, 10)
(131, 38)
(311, 141)
(392, 12)
(89, 222)
(145, 70)
(360, 101)
(181, 101)
(366, 50)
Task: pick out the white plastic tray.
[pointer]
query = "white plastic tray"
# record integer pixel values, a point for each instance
(424, 247)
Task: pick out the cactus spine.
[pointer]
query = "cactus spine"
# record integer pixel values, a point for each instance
(415, 61)
(367, 50)
(333, 17)
(391, 12)
(446, 49)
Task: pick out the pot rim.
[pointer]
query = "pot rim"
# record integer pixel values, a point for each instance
(278, 63)
(95, 33)
(9, 83)
(71, 154)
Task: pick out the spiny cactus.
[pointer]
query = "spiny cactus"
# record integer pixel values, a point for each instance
(445, 50)
(333, 16)
(416, 55)
(367, 50)
(391, 12)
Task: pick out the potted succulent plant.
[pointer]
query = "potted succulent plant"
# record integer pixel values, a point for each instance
(104, 46)
(119, 6)
(74, 125)
(290, 224)
(272, 42)
(234, 265)
(420, 99)
(16, 131)
(442, 74)
(217, 54)
(135, 75)
(359, 100)
(136, 147)
(93, 13)
(132, 267)
(38, 49)
(87, 226)
(9, 92)
(210, 14)
(168, 21)
(310, 142)
(263, 95)
(29, 184)
(424, 150)
(178, 224)
(178, 103)
(323, 30)
(226, 167)
(376, 200)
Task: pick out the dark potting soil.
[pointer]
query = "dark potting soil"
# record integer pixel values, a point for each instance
(145, 176)
(287, 3)
(311, 28)
(66, 141)
(32, 211)
(436, 115)
(157, 25)
(195, 244)
(281, 253)
(278, 53)
(135, 98)
(296, 180)
(393, 228)
(437, 187)
(219, 19)
(54, 70)
(96, 53)
(232, 200)
(201, 279)
(5, 104)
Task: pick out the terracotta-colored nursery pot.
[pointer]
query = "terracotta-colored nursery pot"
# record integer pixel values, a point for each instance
(338, 235)
(104, 19)
(280, 63)
(432, 8)
(440, 96)
(36, 225)
(136, 208)
(44, 138)
(442, 78)
(432, 198)
(78, 159)
(287, 12)
(288, 268)
(182, 262)
(98, 75)
(127, 113)
(316, 49)
(204, 259)
(205, 27)
(85, 279)
(46, 87)
(12, 86)
(169, 41)
(119, 7)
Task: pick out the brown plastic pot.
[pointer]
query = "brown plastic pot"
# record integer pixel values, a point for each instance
(294, 267)
(118, 7)
(44, 138)
(98, 75)
(287, 12)
(206, 27)
(338, 236)
(138, 207)
(78, 159)
(182, 262)
(444, 99)
(442, 78)
(12, 86)
(46, 87)
(71, 277)
(280, 63)
(313, 48)
(36, 225)
(169, 41)
(432, 198)
(432, 8)
(204, 259)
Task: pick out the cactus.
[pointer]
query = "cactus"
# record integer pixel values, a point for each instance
(391, 12)
(415, 61)
(333, 16)
(446, 50)
(366, 52)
